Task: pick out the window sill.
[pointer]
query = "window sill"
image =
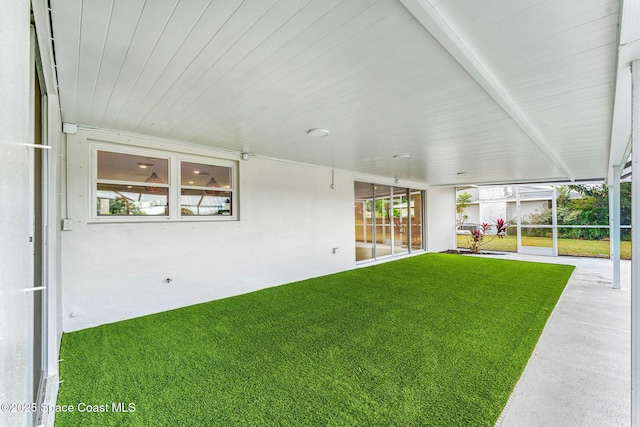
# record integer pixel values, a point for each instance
(162, 220)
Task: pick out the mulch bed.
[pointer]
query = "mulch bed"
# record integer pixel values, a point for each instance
(468, 252)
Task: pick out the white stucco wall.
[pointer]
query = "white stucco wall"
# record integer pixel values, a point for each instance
(441, 218)
(16, 321)
(290, 221)
(15, 216)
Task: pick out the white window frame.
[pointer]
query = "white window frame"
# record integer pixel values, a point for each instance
(174, 185)
(210, 161)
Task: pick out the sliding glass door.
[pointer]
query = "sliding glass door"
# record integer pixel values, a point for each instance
(384, 232)
(415, 219)
(364, 221)
(400, 224)
(388, 220)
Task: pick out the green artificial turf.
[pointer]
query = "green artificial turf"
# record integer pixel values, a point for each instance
(431, 340)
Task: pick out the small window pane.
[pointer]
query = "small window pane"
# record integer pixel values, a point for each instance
(128, 200)
(131, 168)
(205, 203)
(201, 175)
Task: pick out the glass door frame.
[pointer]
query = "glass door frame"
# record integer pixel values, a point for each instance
(39, 191)
(393, 193)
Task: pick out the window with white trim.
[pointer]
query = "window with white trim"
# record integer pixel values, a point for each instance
(205, 189)
(131, 185)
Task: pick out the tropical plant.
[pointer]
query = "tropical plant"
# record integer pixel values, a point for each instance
(124, 206)
(462, 202)
(477, 239)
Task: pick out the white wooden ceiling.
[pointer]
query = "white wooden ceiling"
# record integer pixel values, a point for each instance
(476, 91)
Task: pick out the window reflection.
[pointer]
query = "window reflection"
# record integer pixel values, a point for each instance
(131, 185)
(132, 168)
(139, 185)
(206, 189)
(125, 200)
(199, 202)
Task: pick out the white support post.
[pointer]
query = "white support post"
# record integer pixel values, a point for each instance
(614, 230)
(635, 240)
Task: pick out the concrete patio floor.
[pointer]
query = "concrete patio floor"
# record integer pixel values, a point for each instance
(579, 373)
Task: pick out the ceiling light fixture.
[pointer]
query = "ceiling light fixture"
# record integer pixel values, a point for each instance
(402, 156)
(144, 165)
(317, 132)
(212, 184)
(156, 180)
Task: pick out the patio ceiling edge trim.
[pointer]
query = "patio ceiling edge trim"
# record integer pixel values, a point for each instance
(620, 147)
(431, 20)
(628, 51)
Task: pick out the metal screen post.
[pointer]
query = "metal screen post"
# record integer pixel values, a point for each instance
(614, 230)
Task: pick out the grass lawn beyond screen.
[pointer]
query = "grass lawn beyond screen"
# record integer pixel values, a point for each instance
(569, 247)
(431, 340)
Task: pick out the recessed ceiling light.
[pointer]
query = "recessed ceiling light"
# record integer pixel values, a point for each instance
(196, 172)
(144, 165)
(317, 132)
(402, 156)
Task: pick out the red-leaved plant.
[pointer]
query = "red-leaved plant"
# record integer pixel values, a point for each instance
(477, 236)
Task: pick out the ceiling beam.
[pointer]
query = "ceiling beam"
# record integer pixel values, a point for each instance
(431, 20)
(628, 51)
